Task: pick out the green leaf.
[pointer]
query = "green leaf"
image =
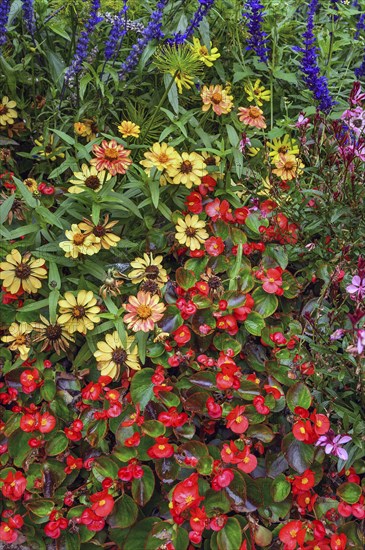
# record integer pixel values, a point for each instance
(65, 137)
(230, 537)
(48, 390)
(265, 304)
(142, 387)
(299, 455)
(57, 445)
(280, 488)
(53, 301)
(48, 216)
(103, 467)
(349, 492)
(298, 395)
(254, 323)
(154, 428)
(27, 195)
(124, 514)
(6, 207)
(185, 278)
(223, 341)
(40, 507)
(142, 488)
(232, 135)
(154, 187)
(54, 279)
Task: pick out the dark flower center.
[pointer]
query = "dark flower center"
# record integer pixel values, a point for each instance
(152, 272)
(92, 182)
(79, 238)
(53, 332)
(23, 271)
(78, 312)
(210, 161)
(357, 123)
(190, 231)
(48, 149)
(99, 231)
(216, 98)
(214, 282)
(186, 167)
(150, 286)
(3, 109)
(119, 356)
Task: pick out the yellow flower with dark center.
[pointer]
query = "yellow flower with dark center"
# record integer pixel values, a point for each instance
(288, 167)
(31, 184)
(7, 111)
(79, 243)
(86, 128)
(111, 355)
(283, 146)
(49, 151)
(54, 335)
(257, 93)
(188, 171)
(88, 178)
(19, 339)
(148, 268)
(191, 232)
(204, 54)
(22, 272)
(129, 129)
(79, 313)
(102, 231)
(144, 310)
(160, 156)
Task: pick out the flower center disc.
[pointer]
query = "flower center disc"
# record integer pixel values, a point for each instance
(78, 312)
(22, 271)
(111, 154)
(119, 356)
(144, 312)
(186, 167)
(92, 182)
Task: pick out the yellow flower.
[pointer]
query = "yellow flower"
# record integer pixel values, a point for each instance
(79, 313)
(111, 355)
(148, 268)
(217, 98)
(253, 151)
(188, 171)
(22, 272)
(288, 167)
(86, 128)
(129, 129)
(7, 112)
(283, 146)
(191, 232)
(88, 178)
(107, 239)
(257, 93)
(203, 52)
(31, 184)
(181, 62)
(143, 312)
(160, 156)
(79, 243)
(19, 339)
(48, 152)
(52, 335)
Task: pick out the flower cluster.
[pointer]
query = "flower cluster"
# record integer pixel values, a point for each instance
(257, 38)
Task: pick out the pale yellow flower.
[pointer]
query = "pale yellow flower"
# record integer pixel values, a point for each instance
(129, 129)
(204, 54)
(111, 355)
(22, 272)
(188, 171)
(79, 243)
(79, 313)
(88, 178)
(31, 184)
(148, 268)
(102, 231)
(52, 335)
(7, 111)
(191, 232)
(161, 156)
(19, 339)
(49, 151)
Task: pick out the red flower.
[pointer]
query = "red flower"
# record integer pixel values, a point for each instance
(134, 418)
(172, 418)
(182, 335)
(229, 452)
(303, 431)
(259, 404)
(198, 519)
(207, 185)
(223, 479)
(303, 482)
(241, 214)
(91, 392)
(73, 464)
(273, 282)
(7, 534)
(214, 409)
(228, 323)
(103, 503)
(218, 522)
(338, 542)
(186, 494)
(14, 486)
(214, 246)
(29, 422)
(194, 203)
(47, 423)
(29, 380)
(161, 449)
(236, 421)
(245, 460)
(54, 527)
(91, 520)
(321, 423)
(290, 533)
(133, 441)
(241, 312)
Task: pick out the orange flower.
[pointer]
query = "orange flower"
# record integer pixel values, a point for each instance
(112, 157)
(252, 116)
(144, 311)
(218, 98)
(288, 167)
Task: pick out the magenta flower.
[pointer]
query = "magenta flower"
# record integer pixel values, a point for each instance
(332, 444)
(357, 286)
(360, 346)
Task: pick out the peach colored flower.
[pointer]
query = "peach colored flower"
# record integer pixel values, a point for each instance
(144, 311)
(252, 116)
(112, 157)
(217, 98)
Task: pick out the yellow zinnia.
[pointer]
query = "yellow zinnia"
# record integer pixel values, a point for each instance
(22, 272)
(88, 178)
(49, 151)
(191, 232)
(161, 156)
(79, 243)
(203, 53)
(129, 129)
(111, 355)
(79, 313)
(102, 231)
(257, 93)
(188, 171)
(288, 167)
(7, 112)
(283, 146)
(148, 268)
(19, 339)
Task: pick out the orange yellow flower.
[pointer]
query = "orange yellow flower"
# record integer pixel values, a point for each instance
(22, 272)
(79, 243)
(86, 128)
(191, 232)
(252, 116)
(129, 129)
(284, 146)
(288, 167)
(189, 170)
(218, 98)
(161, 156)
(111, 156)
(144, 310)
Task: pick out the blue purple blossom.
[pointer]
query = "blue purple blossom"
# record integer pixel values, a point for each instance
(316, 83)
(151, 32)
(82, 47)
(4, 15)
(200, 13)
(28, 11)
(117, 32)
(257, 41)
(360, 71)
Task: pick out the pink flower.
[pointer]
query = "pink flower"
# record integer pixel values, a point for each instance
(357, 287)
(332, 444)
(272, 281)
